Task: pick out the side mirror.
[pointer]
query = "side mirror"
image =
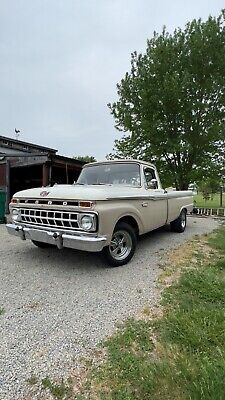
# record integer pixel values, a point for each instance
(153, 184)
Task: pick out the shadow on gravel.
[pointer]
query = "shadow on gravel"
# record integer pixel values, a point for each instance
(65, 259)
(69, 259)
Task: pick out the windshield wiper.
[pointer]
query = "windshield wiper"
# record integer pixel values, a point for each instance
(78, 183)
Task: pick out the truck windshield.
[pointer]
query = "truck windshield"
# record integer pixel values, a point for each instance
(127, 174)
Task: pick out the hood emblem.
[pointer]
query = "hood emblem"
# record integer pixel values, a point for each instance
(44, 193)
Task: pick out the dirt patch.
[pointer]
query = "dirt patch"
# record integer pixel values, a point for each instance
(187, 255)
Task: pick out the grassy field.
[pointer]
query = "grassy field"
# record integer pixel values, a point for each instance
(215, 202)
(175, 352)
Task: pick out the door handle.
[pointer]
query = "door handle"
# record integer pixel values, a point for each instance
(144, 204)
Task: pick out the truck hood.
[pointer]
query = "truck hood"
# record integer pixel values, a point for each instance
(77, 192)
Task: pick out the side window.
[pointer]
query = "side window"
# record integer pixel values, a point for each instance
(149, 174)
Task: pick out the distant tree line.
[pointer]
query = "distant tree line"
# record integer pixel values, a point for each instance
(86, 159)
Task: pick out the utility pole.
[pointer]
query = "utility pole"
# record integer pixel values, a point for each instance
(221, 195)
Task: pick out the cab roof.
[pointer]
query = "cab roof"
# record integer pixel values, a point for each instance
(121, 161)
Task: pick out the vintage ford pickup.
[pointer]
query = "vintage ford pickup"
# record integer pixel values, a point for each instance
(111, 204)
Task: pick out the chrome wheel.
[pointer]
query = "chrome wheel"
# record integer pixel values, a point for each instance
(179, 224)
(183, 219)
(121, 245)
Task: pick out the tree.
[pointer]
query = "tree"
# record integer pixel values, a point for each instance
(86, 159)
(209, 188)
(172, 103)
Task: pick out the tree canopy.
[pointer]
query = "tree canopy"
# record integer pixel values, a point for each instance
(171, 104)
(86, 159)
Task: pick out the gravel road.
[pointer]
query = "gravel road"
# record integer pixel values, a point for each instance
(59, 304)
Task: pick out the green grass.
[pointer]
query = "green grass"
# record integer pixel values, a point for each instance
(190, 364)
(211, 203)
(60, 391)
(187, 361)
(2, 311)
(217, 241)
(178, 356)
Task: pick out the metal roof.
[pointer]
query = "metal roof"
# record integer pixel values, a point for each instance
(20, 142)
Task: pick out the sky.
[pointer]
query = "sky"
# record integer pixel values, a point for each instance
(60, 61)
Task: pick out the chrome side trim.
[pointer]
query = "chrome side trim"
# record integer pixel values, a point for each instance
(151, 198)
(162, 196)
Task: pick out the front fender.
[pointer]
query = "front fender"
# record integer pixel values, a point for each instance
(110, 212)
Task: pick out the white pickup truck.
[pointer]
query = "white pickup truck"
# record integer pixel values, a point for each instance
(111, 204)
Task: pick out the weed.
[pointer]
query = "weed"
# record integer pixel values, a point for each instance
(33, 380)
(146, 311)
(2, 311)
(61, 391)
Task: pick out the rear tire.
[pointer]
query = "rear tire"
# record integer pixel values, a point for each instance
(179, 224)
(42, 245)
(122, 246)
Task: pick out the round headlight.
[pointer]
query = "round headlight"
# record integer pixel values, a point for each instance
(15, 214)
(87, 222)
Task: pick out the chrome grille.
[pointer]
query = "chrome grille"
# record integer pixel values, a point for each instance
(51, 218)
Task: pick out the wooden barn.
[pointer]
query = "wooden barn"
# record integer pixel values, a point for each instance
(26, 165)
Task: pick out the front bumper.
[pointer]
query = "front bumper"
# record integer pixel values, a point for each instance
(59, 238)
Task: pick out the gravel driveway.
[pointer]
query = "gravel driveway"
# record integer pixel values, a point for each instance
(59, 304)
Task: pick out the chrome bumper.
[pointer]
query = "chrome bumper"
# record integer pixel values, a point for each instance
(58, 238)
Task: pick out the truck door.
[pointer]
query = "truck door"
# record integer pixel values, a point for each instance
(154, 208)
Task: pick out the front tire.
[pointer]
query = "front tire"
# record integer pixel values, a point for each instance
(122, 246)
(42, 245)
(179, 224)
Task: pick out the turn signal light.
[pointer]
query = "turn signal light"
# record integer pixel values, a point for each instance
(14, 200)
(86, 204)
